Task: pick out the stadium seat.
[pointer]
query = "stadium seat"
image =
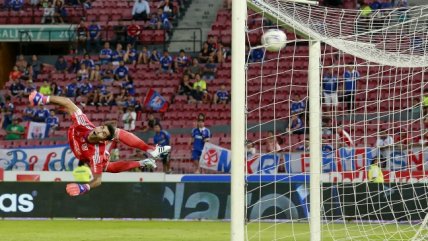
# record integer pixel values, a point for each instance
(27, 19)
(33, 142)
(104, 15)
(159, 36)
(14, 20)
(116, 17)
(146, 36)
(112, 116)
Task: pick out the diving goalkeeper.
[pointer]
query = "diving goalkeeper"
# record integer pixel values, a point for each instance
(89, 142)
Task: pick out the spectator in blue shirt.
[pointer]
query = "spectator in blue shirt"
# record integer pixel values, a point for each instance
(117, 55)
(52, 121)
(256, 55)
(350, 78)
(121, 72)
(326, 148)
(129, 87)
(166, 62)
(17, 88)
(221, 96)
(375, 5)
(200, 135)
(134, 103)
(7, 111)
(155, 57)
(106, 97)
(107, 75)
(154, 22)
(298, 106)
(87, 61)
(28, 113)
(131, 55)
(162, 138)
(296, 125)
(30, 88)
(85, 88)
(16, 5)
(210, 69)
(386, 4)
(94, 33)
(61, 64)
(105, 54)
(164, 20)
(182, 61)
(330, 85)
(71, 89)
(41, 114)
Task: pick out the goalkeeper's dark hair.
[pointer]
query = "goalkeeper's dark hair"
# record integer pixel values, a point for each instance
(111, 130)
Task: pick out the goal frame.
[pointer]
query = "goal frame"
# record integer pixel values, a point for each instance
(238, 123)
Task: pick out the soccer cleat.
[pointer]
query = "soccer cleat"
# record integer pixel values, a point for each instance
(159, 150)
(148, 163)
(36, 98)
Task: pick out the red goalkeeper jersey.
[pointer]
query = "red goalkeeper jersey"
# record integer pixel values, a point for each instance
(96, 155)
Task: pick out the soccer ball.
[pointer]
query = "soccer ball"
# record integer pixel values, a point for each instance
(274, 40)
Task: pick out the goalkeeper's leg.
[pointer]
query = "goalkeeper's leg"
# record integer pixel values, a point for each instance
(121, 166)
(132, 140)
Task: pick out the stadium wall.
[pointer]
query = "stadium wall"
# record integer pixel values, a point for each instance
(204, 200)
(342, 160)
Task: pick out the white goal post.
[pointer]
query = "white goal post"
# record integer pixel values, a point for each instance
(385, 53)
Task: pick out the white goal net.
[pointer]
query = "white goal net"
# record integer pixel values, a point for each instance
(373, 133)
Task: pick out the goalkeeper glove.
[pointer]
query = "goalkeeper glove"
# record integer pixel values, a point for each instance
(36, 98)
(75, 189)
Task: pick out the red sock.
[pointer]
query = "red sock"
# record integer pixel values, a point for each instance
(132, 140)
(121, 166)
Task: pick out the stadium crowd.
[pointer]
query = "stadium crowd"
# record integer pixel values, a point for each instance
(103, 74)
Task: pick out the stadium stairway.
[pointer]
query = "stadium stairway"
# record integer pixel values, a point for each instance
(200, 14)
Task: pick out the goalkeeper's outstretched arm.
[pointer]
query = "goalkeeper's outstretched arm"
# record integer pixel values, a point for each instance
(36, 98)
(76, 189)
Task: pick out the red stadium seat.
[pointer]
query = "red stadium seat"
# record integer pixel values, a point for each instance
(27, 20)
(159, 36)
(146, 36)
(14, 20)
(103, 16)
(116, 17)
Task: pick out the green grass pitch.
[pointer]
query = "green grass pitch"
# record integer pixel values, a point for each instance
(117, 230)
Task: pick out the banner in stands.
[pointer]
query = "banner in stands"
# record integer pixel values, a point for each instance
(216, 158)
(343, 159)
(48, 158)
(58, 158)
(38, 33)
(355, 159)
(36, 130)
(155, 101)
(212, 201)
